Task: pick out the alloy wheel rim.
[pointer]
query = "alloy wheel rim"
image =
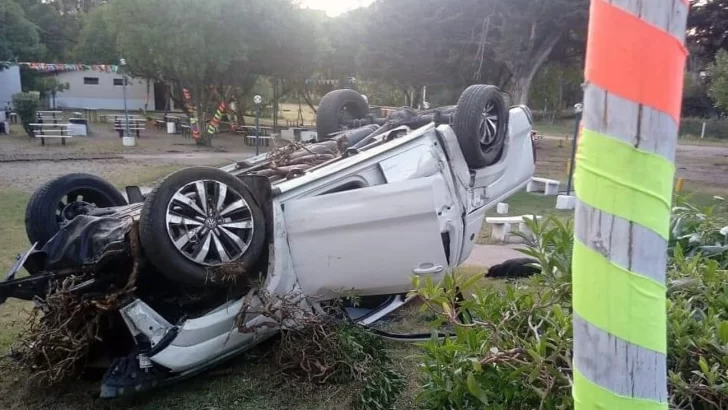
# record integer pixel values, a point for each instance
(488, 127)
(209, 222)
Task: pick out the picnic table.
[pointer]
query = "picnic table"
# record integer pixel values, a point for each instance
(135, 124)
(51, 130)
(49, 114)
(91, 114)
(250, 130)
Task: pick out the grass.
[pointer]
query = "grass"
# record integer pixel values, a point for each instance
(559, 128)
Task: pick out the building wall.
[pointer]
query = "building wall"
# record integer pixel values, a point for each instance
(9, 84)
(103, 95)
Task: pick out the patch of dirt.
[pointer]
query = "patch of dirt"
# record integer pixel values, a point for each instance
(703, 167)
(28, 176)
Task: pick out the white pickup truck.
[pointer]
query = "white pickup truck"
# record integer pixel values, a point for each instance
(380, 201)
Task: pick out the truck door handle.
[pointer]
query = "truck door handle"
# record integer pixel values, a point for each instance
(428, 269)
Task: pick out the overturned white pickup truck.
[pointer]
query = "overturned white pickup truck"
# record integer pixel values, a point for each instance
(374, 202)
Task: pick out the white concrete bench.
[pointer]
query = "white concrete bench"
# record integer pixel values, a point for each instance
(46, 130)
(503, 226)
(547, 186)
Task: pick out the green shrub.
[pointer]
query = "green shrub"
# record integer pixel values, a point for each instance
(515, 351)
(714, 127)
(26, 105)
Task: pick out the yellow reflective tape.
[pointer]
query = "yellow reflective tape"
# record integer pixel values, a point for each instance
(633, 184)
(622, 303)
(589, 395)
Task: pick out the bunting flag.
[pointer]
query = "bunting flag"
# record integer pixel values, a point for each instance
(212, 126)
(55, 68)
(321, 81)
(193, 118)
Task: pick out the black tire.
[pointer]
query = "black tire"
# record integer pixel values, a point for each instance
(157, 241)
(337, 107)
(43, 217)
(469, 125)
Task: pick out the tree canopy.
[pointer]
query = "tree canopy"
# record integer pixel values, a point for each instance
(19, 37)
(218, 49)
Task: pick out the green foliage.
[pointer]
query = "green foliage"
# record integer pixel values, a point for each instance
(695, 230)
(696, 102)
(556, 88)
(329, 351)
(714, 127)
(707, 27)
(26, 105)
(322, 349)
(515, 351)
(19, 39)
(718, 72)
(96, 41)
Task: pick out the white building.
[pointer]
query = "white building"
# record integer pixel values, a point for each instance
(9, 84)
(104, 90)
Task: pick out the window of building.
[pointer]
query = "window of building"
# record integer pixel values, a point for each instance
(119, 81)
(91, 80)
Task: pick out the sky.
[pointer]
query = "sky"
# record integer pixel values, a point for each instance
(335, 7)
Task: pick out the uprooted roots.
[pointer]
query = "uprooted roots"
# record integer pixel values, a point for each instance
(60, 333)
(318, 347)
(64, 326)
(292, 160)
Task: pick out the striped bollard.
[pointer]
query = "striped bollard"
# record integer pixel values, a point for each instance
(623, 178)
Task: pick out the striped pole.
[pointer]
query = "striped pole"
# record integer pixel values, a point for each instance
(193, 118)
(624, 177)
(212, 126)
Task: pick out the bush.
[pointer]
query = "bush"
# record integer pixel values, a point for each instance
(714, 127)
(26, 105)
(515, 351)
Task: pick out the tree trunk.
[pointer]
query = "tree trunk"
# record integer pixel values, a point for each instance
(202, 102)
(621, 229)
(307, 98)
(520, 82)
(518, 90)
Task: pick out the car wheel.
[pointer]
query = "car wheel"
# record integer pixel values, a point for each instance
(336, 108)
(198, 218)
(59, 201)
(481, 125)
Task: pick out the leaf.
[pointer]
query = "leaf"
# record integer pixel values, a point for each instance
(476, 365)
(723, 332)
(703, 365)
(474, 389)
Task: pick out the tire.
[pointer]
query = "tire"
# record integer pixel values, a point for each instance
(470, 125)
(192, 228)
(44, 214)
(337, 107)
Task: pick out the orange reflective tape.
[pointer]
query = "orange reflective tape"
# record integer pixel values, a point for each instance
(634, 59)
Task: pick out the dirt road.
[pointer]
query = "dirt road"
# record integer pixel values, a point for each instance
(704, 167)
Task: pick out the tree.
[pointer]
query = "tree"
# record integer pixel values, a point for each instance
(708, 27)
(524, 33)
(96, 41)
(57, 24)
(431, 42)
(718, 72)
(187, 43)
(19, 39)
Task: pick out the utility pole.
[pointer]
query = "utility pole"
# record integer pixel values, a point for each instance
(624, 176)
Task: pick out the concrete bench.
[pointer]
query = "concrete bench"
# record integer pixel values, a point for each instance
(547, 186)
(503, 226)
(45, 130)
